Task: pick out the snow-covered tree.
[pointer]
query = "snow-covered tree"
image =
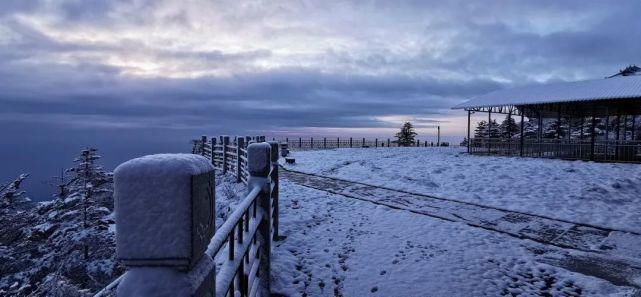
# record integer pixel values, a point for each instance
(509, 128)
(201, 148)
(406, 136)
(11, 195)
(481, 130)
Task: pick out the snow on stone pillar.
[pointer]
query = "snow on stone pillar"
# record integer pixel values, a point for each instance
(274, 192)
(240, 143)
(164, 206)
(259, 166)
(225, 143)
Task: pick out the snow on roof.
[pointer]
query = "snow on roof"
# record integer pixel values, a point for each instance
(618, 87)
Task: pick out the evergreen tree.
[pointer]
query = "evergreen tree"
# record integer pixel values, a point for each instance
(88, 176)
(509, 128)
(406, 136)
(201, 148)
(11, 195)
(481, 130)
(482, 127)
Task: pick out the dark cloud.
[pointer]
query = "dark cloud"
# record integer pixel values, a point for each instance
(136, 77)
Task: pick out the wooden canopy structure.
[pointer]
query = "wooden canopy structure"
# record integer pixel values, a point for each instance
(592, 120)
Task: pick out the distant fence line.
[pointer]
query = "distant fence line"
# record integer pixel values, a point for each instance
(350, 142)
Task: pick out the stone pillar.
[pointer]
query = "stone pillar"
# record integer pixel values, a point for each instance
(259, 166)
(165, 212)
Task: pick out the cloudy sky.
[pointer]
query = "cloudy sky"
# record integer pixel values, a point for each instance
(134, 77)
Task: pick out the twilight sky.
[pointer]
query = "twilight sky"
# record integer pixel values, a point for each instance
(137, 77)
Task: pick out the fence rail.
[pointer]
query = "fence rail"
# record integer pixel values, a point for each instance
(574, 149)
(241, 246)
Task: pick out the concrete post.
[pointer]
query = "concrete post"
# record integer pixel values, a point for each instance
(259, 165)
(225, 143)
(239, 169)
(161, 197)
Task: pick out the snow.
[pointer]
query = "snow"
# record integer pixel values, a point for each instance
(612, 88)
(338, 246)
(153, 193)
(602, 194)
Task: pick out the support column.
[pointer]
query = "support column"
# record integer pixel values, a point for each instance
(469, 116)
(489, 130)
(592, 139)
(522, 136)
(634, 118)
(539, 135)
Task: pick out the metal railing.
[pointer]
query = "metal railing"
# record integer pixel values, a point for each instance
(572, 149)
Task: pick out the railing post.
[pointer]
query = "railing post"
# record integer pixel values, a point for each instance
(388, 142)
(311, 142)
(300, 142)
(275, 190)
(324, 142)
(240, 143)
(203, 144)
(259, 166)
(350, 142)
(338, 142)
(376, 142)
(161, 197)
(213, 154)
(224, 143)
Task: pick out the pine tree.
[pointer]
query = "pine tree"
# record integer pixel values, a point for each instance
(509, 128)
(11, 195)
(406, 136)
(201, 148)
(87, 176)
(481, 130)
(482, 127)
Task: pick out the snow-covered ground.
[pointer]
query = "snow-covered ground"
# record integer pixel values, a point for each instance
(601, 194)
(338, 246)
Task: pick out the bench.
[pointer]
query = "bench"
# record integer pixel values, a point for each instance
(290, 160)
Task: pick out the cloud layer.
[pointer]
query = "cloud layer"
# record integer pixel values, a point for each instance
(290, 64)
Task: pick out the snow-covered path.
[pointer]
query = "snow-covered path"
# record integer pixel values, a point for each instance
(340, 246)
(550, 231)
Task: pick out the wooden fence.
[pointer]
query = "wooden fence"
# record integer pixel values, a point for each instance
(241, 247)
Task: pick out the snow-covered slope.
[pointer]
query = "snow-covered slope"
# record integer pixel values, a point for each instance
(601, 194)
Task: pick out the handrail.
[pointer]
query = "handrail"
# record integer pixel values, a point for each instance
(222, 233)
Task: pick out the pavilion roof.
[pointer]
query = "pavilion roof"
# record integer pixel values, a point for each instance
(616, 87)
